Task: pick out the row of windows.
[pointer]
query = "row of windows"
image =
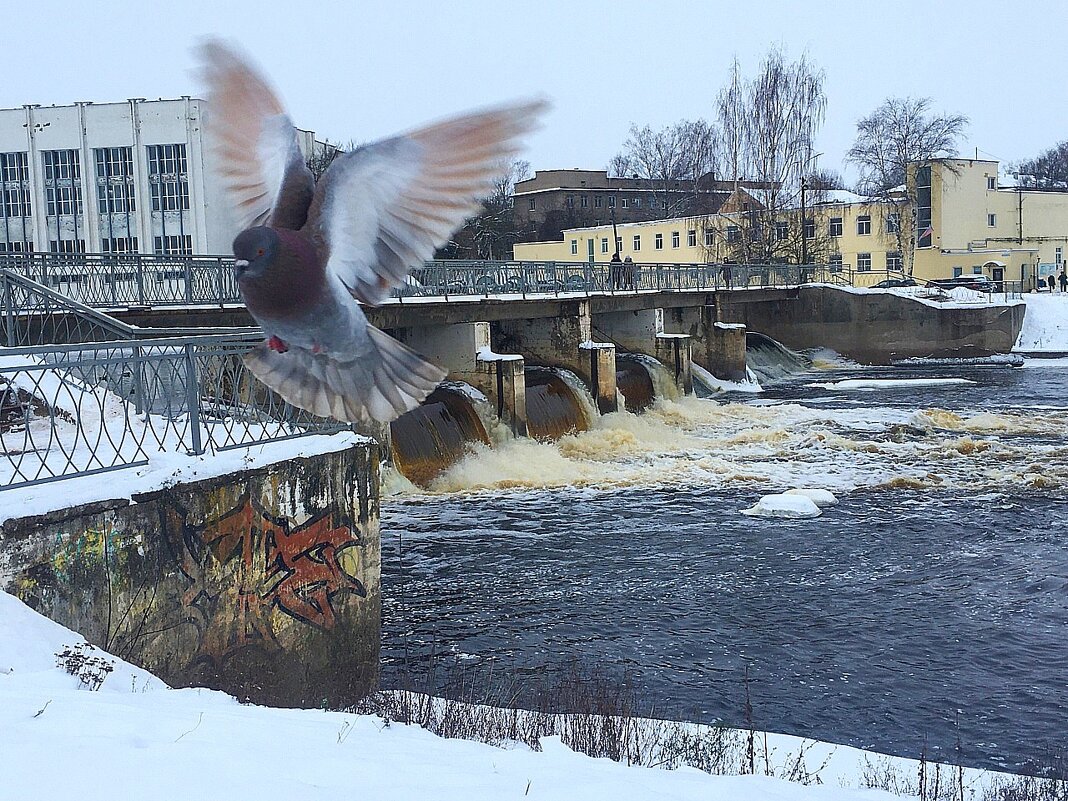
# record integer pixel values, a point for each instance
(864, 261)
(168, 178)
(168, 245)
(599, 202)
(835, 226)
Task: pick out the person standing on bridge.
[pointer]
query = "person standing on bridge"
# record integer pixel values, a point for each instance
(616, 271)
(1063, 279)
(1051, 282)
(629, 273)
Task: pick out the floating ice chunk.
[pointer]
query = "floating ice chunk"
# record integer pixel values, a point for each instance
(818, 496)
(783, 506)
(888, 383)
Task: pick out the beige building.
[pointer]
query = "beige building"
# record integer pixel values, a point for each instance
(967, 220)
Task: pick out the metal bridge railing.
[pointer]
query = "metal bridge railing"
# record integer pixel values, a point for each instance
(77, 409)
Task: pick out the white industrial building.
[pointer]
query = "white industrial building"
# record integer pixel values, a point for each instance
(128, 177)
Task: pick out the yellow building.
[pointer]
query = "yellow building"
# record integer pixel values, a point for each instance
(967, 220)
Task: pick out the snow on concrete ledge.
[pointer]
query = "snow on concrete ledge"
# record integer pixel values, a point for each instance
(164, 470)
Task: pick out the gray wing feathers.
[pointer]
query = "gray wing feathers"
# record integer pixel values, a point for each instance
(383, 384)
(254, 143)
(387, 207)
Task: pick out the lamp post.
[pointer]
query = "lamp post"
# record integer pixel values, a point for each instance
(804, 224)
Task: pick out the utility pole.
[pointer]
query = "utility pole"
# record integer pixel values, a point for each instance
(804, 224)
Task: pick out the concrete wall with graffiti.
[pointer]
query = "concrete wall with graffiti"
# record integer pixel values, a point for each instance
(264, 583)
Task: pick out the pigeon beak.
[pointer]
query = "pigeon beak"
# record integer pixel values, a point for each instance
(241, 264)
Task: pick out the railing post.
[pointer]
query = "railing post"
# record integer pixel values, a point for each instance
(192, 398)
(140, 282)
(139, 387)
(9, 311)
(188, 280)
(221, 281)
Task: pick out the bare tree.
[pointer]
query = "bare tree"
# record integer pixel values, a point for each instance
(1048, 170)
(897, 133)
(768, 125)
(674, 159)
(900, 131)
(492, 232)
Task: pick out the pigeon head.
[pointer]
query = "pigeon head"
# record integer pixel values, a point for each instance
(254, 251)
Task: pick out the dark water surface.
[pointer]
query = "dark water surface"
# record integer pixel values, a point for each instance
(897, 618)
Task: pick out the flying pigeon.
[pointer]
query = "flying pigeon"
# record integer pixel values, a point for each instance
(308, 251)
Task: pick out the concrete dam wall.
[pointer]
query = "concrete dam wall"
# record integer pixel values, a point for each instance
(876, 327)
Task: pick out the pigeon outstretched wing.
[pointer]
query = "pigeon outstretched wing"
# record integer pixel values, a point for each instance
(384, 208)
(254, 143)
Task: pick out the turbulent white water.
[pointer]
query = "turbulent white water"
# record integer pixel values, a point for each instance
(695, 442)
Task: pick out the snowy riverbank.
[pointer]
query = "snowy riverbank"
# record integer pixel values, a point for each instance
(135, 738)
(1045, 326)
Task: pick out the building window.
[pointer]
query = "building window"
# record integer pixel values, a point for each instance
(992, 220)
(15, 178)
(782, 231)
(674, 239)
(734, 233)
(16, 247)
(658, 241)
(708, 237)
(893, 222)
(115, 180)
(637, 202)
(168, 178)
(624, 201)
(532, 204)
(958, 272)
(121, 244)
(810, 228)
(893, 261)
(66, 246)
(691, 239)
(863, 262)
(1058, 252)
(835, 227)
(604, 244)
(173, 245)
(864, 225)
(991, 182)
(574, 247)
(637, 242)
(924, 227)
(569, 201)
(584, 202)
(63, 182)
(619, 244)
(835, 262)
(611, 201)
(598, 202)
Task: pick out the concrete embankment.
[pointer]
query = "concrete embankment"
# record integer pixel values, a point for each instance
(263, 583)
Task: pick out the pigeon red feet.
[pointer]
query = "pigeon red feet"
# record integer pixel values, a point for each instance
(274, 343)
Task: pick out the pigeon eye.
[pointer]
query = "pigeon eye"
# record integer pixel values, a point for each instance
(260, 252)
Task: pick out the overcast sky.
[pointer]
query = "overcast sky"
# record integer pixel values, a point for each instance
(361, 70)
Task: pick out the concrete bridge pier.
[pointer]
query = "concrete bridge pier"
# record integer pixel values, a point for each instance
(717, 347)
(642, 331)
(565, 341)
(464, 350)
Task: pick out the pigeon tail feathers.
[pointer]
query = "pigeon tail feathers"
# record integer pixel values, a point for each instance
(383, 384)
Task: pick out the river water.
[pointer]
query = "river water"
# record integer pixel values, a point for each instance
(928, 608)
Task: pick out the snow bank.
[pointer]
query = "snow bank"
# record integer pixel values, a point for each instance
(1045, 325)
(134, 738)
(784, 505)
(820, 497)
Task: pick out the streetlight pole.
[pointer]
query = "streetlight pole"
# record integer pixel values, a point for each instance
(804, 225)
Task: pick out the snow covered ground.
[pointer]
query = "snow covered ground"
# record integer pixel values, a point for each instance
(1045, 327)
(133, 738)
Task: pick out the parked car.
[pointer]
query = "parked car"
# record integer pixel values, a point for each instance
(980, 283)
(889, 283)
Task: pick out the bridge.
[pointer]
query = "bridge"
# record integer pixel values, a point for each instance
(166, 334)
